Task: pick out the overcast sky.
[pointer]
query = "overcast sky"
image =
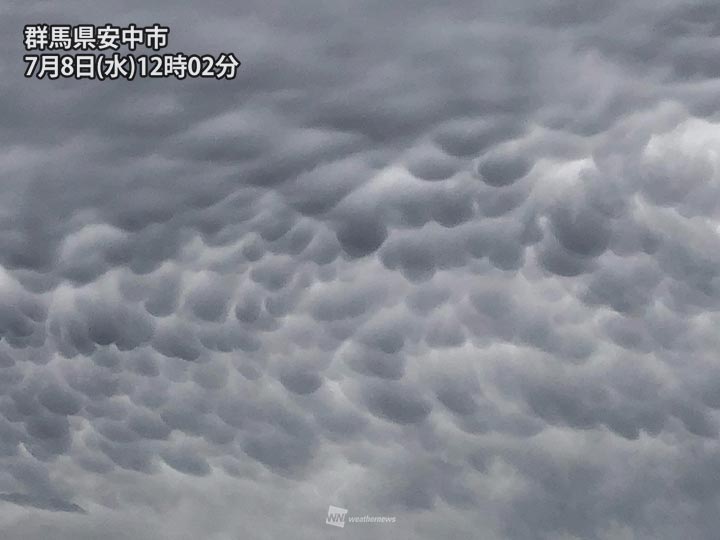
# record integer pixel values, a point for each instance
(453, 262)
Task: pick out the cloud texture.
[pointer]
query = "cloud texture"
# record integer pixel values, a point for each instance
(454, 262)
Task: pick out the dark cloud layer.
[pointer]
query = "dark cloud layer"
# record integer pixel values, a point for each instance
(453, 262)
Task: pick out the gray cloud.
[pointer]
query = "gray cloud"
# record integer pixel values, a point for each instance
(456, 263)
(54, 505)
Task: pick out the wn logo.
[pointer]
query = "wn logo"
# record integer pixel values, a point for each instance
(336, 516)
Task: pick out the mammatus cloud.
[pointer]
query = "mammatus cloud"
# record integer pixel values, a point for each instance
(454, 263)
(54, 505)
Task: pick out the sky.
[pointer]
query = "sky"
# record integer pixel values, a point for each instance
(455, 263)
